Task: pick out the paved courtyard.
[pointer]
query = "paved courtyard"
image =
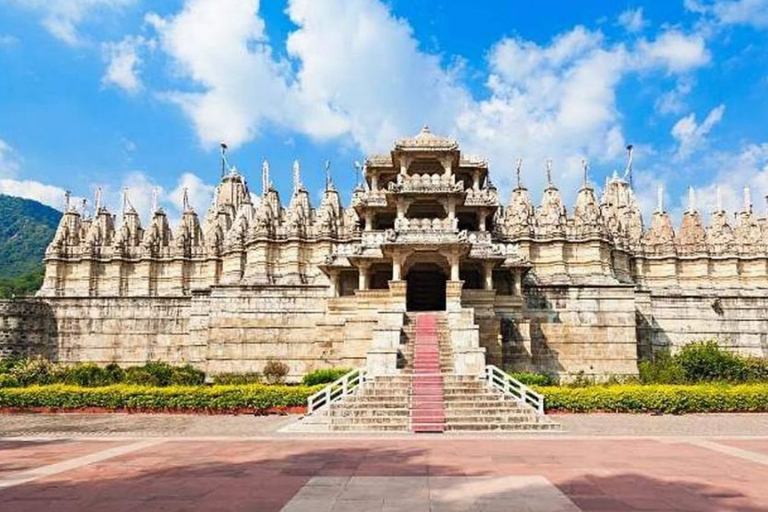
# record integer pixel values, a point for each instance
(695, 463)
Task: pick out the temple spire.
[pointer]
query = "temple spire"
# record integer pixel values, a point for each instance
(518, 172)
(328, 181)
(264, 177)
(155, 194)
(185, 200)
(549, 172)
(691, 200)
(224, 164)
(660, 199)
(719, 196)
(628, 169)
(747, 200)
(585, 169)
(67, 200)
(97, 201)
(296, 177)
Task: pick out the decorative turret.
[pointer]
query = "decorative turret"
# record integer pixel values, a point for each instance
(328, 215)
(189, 235)
(691, 239)
(550, 216)
(298, 215)
(747, 233)
(719, 234)
(158, 234)
(518, 218)
(69, 230)
(660, 239)
(587, 217)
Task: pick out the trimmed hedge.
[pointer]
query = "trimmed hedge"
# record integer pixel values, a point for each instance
(667, 399)
(324, 376)
(255, 397)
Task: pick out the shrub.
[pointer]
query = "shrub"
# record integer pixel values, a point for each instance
(275, 371)
(255, 397)
(187, 375)
(663, 369)
(7, 364)
(706, 361)
(153, 373)
(36, 370)
(668, 399)
(114, 373)
(324, 376)
(8, 381)
(534, 379)
(87, 374)
(237, 378)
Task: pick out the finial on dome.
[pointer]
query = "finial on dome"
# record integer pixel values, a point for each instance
(97, 200)
(660, 199)
(296, 177)
(518, 171)
(328, 181)
(585, 169)
(67, 200)
(747, 200)
(224, 165)
(185, 200)
(628, 169)
(358, 172)
(84, 208)
(264, 177)
(549, 172)
(691, 200)
(425, 129)
(155, 205)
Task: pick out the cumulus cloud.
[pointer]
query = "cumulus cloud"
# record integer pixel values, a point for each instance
(691, 135)
(674, 101)
(62, 17)
(675, 50)
(733, 12)
(632, 20)
(124, 62)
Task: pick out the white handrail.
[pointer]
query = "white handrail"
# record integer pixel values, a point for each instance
(500, 380)
(336, 390)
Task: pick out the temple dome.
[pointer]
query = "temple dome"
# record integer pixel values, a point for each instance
(425, 140)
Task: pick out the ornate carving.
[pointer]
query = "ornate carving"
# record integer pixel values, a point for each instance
(550, 216)
(719, 234)
(692, 238)
(660, 239)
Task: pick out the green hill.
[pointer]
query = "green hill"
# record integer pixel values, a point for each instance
(26, 229)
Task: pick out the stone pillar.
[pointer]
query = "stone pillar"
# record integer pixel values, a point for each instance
(488, 268)
(334, 287)
(375, 182)
(476, 180)
(517, 283)
(451, 208)
(396, 266)
(454, 267)
(483, 215)
(363, 281)
(368, 221)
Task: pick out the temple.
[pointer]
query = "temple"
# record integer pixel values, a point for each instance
(590, 291)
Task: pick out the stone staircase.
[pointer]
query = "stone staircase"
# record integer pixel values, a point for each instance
(427, 400)
(427, 395)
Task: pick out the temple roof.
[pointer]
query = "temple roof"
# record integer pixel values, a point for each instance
(425, 140)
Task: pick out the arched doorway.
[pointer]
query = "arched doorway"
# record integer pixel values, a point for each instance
(426, 274)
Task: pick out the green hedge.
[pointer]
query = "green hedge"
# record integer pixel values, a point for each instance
(324, 376)
(172, 398)
(668, 399)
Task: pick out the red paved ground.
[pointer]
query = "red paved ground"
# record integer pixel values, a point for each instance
(21, 455)
(596, 474)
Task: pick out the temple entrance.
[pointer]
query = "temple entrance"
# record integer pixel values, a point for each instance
(426, 288)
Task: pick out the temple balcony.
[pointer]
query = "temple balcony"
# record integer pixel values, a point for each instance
(488, 197)
(369, 199)
(425, 237)
(426, 183)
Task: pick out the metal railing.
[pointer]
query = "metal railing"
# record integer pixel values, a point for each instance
(336, 390)
(498, 379)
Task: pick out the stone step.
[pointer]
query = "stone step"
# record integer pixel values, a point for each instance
(369, 420)
(353, 427)
(501, 426)
(368, 413)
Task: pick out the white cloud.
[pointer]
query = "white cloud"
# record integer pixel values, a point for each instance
(221, 47)
(632, 20)
(674, 50)
(9, 160)
(690, 135)
(734, 12)
(673, 101)
(124, 62)
(62, 17)
(200, 193)
(29, 189)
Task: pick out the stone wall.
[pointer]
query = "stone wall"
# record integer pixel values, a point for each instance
(567, 330)
(737, 319)
(27, 328)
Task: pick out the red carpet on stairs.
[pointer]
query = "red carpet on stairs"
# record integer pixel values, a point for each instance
(427, 401)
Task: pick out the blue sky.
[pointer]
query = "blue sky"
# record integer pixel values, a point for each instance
(117, 93)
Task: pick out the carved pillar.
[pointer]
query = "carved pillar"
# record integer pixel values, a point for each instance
(483, 215)
(488, 268)
(368, 221)
(451, 208)
(363, 280)
(517, 283)
(454, 260)
(375, 182)
(400, 208)
(476, 180)
(334, 286)
(396, 266)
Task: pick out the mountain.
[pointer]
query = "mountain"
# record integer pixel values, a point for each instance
(26, 229)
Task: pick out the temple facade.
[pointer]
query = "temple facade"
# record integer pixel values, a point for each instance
(526, 287)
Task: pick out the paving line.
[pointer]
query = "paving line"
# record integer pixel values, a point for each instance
(30, 475)
(755, 457)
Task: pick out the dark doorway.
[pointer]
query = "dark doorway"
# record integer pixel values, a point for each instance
(426, 288)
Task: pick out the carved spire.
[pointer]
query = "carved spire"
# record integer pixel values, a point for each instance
(585, 170)
(67, 201)
(264, 177)
(548, 168)
(660, 198)
(691, 238)
(224, 163)
(155, 204)
(185, 207)
(97, 201)
(296, 177)
(518, 172)
(328, 180)
(628, 170)
(691, 200)
(747, 200)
